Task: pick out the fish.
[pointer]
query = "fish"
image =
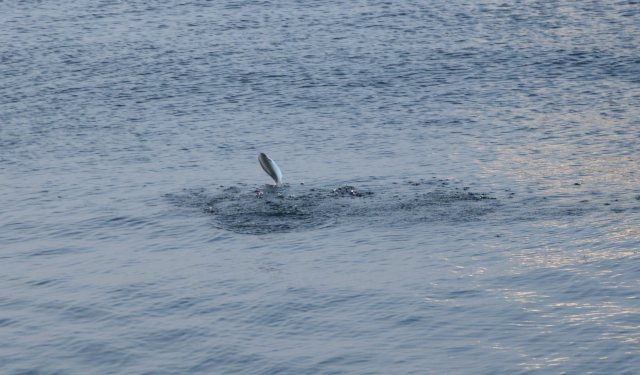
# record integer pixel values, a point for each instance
(271, 168)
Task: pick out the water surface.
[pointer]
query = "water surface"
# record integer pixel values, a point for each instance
(463, 192)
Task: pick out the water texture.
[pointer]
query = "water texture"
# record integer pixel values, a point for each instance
(461, 193)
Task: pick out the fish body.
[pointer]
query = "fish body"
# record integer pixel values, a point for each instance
(270, 166)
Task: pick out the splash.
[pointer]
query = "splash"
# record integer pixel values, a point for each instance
(284, 208)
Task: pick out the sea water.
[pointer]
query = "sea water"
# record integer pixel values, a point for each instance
(461, 190)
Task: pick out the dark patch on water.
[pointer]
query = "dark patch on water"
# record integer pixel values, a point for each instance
(271, 209)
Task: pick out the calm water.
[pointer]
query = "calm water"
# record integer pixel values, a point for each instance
(463, 187)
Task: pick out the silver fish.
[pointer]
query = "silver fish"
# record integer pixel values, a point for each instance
(270, 167)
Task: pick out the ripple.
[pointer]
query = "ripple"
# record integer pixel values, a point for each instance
(269, 209)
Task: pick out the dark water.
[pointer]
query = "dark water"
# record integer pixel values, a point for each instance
(462, 193)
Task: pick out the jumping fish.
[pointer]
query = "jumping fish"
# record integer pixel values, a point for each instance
(270, 167)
